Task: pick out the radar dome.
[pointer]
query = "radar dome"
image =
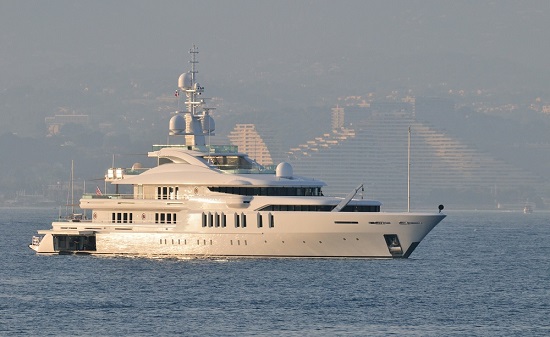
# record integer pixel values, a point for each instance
(177, 125)
(136, 166)
(208, 125)
(185, 81)
(284, 170)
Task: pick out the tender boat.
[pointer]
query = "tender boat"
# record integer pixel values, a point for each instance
(204, 200)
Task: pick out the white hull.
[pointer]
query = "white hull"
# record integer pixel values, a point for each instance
(314, 236)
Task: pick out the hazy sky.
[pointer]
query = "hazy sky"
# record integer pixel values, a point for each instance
(37, 36)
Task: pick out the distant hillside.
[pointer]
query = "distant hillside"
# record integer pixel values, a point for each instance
(289, 101)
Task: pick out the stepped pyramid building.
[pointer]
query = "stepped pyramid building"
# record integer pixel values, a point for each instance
(248, 140)
(373, 149)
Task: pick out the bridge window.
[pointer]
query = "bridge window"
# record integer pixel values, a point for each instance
(320, 208)
(268, 191)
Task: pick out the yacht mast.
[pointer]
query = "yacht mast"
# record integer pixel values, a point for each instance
(409, 172)
(72, 186)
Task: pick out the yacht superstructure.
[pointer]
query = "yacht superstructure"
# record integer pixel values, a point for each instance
(205, 200)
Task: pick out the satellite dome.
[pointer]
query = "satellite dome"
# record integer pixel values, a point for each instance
(284, 170)
(177, 125)
(208, 125)
(184, 81)
(136, 166)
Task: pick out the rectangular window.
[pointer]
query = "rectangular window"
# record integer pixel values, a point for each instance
(113, 217)
(260, 222)
(243, 220)
(125, 217)
(119, 217)
(271, 220)
(223, 219)
(203, 220)
(237, 220)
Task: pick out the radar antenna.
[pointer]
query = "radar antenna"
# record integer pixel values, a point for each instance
(195, 122)
(193, 51)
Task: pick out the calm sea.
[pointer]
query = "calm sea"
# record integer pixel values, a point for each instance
(476, 274)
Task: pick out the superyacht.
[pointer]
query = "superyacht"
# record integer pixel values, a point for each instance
(203, 200)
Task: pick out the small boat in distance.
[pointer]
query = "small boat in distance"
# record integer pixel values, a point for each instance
(527, 209)
(203, 200)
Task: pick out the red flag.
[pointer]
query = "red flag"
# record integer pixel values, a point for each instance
(98, 191)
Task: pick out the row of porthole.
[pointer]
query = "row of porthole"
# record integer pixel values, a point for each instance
(179, 242)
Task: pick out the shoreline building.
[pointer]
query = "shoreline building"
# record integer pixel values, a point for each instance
(55, 123)
(249, 141)
(373, 149)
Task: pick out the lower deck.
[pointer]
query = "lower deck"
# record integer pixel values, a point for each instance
(207, 245)
(283, 234)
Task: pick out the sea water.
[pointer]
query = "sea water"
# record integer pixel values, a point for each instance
(475, 274)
